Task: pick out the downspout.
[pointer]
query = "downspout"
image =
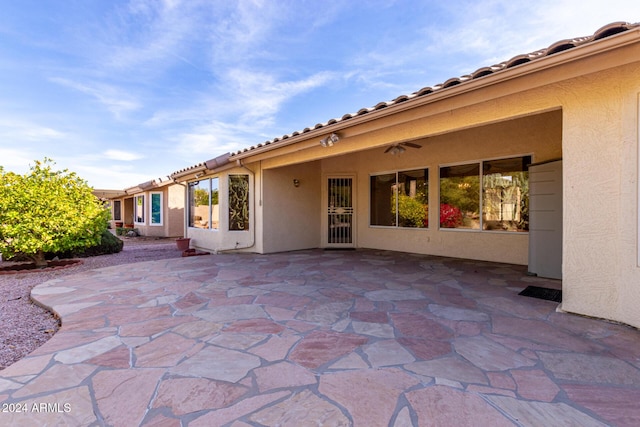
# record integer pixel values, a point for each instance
(252, 215)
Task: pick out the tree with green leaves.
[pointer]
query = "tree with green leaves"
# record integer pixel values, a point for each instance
(47, 211)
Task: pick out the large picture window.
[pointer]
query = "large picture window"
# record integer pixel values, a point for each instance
(238, 202)
(505, 194)
(486, 195)
(203, 204)
(156, 209)
(138, 203)
(400, 199)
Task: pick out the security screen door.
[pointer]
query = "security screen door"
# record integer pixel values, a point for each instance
(340, 212)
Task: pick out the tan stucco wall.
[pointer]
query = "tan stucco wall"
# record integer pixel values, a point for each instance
(601, 273)
(175, 211)
(172, 214)
(538, 135)
(291, 214)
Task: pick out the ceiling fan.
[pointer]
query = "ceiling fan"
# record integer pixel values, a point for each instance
(398, 148)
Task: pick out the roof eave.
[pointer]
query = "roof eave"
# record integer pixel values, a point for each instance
(183, 175)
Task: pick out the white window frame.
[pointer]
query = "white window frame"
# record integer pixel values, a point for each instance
(135, 209)
(151, 208)
(396, 172)
(210, 214)
(480, 194)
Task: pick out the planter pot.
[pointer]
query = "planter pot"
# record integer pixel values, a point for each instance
(119, 224)
(183, 243)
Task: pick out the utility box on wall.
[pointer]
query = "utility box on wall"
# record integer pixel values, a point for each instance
(545, 219)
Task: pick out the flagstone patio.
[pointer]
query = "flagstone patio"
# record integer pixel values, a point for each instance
(348, 338)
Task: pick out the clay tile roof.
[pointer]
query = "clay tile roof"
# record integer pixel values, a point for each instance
(187, 169)
(557, 47)
(612, 29)
(481, 72)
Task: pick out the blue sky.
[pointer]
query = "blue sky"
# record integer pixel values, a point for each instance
(122, 92)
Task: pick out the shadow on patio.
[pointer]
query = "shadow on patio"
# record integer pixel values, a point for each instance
(364, 338)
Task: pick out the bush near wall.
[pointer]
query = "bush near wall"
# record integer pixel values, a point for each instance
(109, 244)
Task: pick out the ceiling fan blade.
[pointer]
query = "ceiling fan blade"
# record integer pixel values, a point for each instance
(412, 145)
(389, 149)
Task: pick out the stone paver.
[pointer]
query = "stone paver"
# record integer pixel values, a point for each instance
(355, 338)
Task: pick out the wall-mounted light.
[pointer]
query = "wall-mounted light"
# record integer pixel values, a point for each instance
(296, 182)
(329, 140)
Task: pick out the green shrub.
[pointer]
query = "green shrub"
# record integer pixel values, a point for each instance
(48, 211)
(109, 244)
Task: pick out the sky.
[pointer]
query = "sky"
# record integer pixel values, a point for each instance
(123, 92)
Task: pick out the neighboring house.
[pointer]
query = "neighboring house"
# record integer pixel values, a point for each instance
(533, 161)
(154, 208)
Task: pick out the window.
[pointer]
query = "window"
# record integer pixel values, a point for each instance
(460, 196)
(117, 210)
(503, 197)
(238, 202)
(203, 204)
(505, 194)
(138, 203)
(156, 209)
(400, 199)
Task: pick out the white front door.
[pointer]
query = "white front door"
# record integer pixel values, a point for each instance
(339, 223)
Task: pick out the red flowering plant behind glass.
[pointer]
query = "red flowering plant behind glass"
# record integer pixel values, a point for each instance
(450, 216)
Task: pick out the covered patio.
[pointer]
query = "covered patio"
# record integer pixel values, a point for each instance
(320, 337)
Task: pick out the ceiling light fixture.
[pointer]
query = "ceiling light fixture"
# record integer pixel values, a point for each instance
(396, 149)
(399, 147)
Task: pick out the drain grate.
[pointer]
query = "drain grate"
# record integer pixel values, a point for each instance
(542, 293)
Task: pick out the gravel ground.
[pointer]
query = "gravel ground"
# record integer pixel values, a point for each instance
(26, 326)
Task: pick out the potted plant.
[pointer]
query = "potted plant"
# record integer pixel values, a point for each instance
(183, 243)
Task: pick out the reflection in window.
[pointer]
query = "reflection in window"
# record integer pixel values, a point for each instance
(139, 209)
(460, 196)
(156, 209)
(215, 206)
(117, 209)
(505, 194)
(199, 207)
(382, 195)
(400, 199)
(238, 202)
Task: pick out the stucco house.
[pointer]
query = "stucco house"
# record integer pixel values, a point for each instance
(533, 161)
(154, 208)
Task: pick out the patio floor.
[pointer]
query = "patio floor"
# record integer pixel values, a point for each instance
(330, 338)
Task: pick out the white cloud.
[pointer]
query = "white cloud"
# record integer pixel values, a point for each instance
(18, 130)
(504, 28)
(15, 160)
(122, 155)
(116, 99)
(241, 28)
(107, 177)
(259, 95)
(211, 139)
(145, 31)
